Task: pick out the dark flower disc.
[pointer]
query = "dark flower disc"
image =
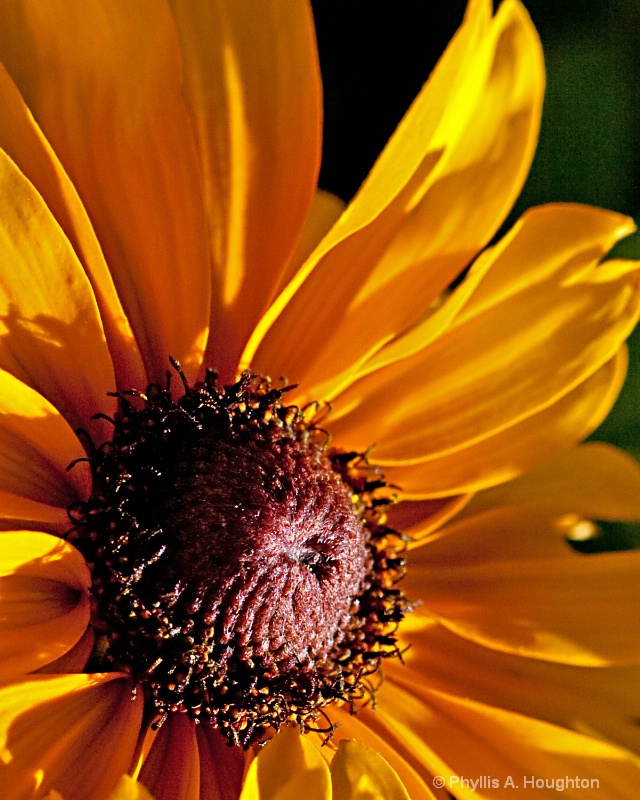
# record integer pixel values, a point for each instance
(241, 571)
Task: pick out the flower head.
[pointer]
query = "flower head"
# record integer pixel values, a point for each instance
(232, 410)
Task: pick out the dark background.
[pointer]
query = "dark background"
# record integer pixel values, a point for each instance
(376, 54)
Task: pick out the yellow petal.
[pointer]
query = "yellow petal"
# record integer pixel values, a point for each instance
(458, 738)
(509, 580)
(24, 143)
(359, 773)
(437, 194)
(555, 241)
(75, 659)
(594, 481)
(492, 369)
(362, 728)
(524, 446)
(289, 766)
(128, 789)
(20, 512)
(105, 85)
(72, 733)
(171, 769)
(603, 703)
(45, 301)
(36, 447)
(44, 605)
(253, 91)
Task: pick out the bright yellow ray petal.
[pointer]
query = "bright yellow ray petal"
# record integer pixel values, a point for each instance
(289, 766)
(524, 446)
(594, 481)
(551, 241)
(171, 769)
(72, 733)
(44, 605)
(105, 85)
(128, 789)
(562, 606)
(493, 369)
(35, 438)
(390, 256)
(471, 740)
(51, 336)
(253, 91)
(359, 773)
(602, 703)
(20, 512)
(23, 141)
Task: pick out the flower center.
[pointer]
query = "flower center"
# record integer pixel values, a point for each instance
(241, 571)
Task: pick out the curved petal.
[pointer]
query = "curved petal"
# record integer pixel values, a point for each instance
(493, 369)
(252, 86)
(74, 660)
(44, 604)
(604, 703)
(520, 448)
(24, 143)
(288, 766)
(474, 741)
(436, 195)
(593, 481)
(36, 448)
(562, 606)
(46, 301)
(105, 86)
(359, 727)
(171, 768)
(359, 773)
(72, 733)
(20, 512)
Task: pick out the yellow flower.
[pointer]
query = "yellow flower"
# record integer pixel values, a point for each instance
(210, 550)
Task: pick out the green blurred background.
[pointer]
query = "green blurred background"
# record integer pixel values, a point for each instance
(375, 55)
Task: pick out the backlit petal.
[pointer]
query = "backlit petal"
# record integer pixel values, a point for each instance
(72, 733)
(437, 194)
(253, 91)
(289, 766)
(44, 604)
(221, 767)
(562, 606)
(105, 85)
(524, 446)
(359, 773)
(45, 301)
(23, 141)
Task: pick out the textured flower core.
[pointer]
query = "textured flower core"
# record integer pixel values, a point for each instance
(241, 571)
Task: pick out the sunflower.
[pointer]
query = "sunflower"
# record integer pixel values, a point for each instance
(234, 413)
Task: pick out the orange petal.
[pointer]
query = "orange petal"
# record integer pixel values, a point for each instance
(509, 580)
(72, 733)
(252, 85)
(457, 738)
(435, 197)
(524, 446)
(221, 766)
(45, 302)
(492, 369)
(44, 605)
(20, 512)
(106, 87)
(602, 702)
(288, 766)
(24, 143)
(172, 767)
(74, 660)
(595, 481)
